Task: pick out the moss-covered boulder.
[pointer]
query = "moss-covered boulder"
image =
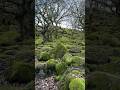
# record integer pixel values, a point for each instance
(75, 50)
(67, 77)
(60, 67)
(59, 51)
(44, 56)
(51, 65)
(67, 58)
(77, 84)
(38, 41)
(77, 61)
(46, 48)
(74, 74)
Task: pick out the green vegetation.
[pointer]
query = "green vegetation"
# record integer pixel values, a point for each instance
(59, 50)
(51, 64)
(67, 58)
(77, 84)
(60, 68)
(64, 57)
(45, 56)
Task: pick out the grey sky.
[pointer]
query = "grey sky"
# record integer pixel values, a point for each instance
(68, 22)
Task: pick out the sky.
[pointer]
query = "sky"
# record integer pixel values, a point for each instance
(67, 23)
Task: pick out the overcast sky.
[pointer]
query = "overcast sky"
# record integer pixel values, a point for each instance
(67, 23)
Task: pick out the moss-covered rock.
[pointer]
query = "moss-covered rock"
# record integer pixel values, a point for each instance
(67, 58)
(46, 49)
(58, 78)
(44, 56)
(67, 77)
(72, 75)
(51, 65)
(77, 84)
(74, 50)
(77, 61)
(59, 50)
(38, 41)
(60, 67)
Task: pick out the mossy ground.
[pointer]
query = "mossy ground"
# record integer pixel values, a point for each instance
(67, 56)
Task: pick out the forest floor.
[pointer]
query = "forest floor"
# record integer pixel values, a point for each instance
(47, 83)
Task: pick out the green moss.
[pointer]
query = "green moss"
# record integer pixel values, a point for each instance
(38, 41)
(51, 64)
(75, 72)
(72, 75)
(77, 84)
(58, 78)
(66, 78)
(76, 60)
(44, 56)
(64, 40)
(60, 68)
(67, 58)
(59, 50)
(46, 49)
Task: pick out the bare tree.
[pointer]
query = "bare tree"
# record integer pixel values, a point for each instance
(49, 15)
(78, 14)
